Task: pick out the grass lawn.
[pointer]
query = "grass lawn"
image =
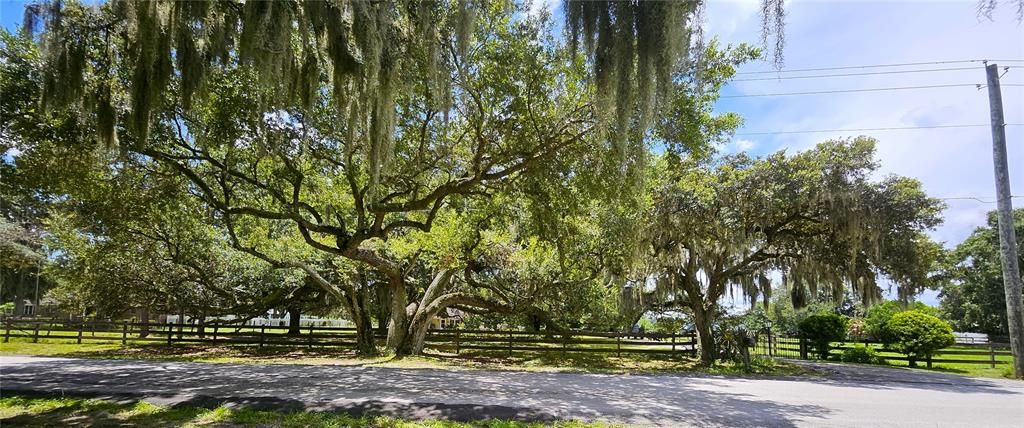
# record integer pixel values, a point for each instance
(40, 412)
(553, 361)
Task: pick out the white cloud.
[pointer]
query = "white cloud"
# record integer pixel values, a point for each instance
(744, 145)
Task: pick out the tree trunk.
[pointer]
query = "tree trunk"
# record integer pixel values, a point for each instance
(144, 319)
(398, 327)
(365, 344)
(702, 323)
(419, 336)
(294, 320)
(383, 300)
(357, 308)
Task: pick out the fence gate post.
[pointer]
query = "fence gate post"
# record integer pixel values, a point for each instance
(457, 347)
(991, 356)
(124, 333)
(263, 329)
(170, 332)
(81, 325)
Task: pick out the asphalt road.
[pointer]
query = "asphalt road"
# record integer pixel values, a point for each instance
(854, 396)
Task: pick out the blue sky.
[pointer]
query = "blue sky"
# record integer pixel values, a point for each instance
(949, 162)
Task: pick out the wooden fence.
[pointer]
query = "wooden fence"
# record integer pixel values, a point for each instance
(792, 347)
(453, 341)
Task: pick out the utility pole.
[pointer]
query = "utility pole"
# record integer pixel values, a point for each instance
(1007, 239)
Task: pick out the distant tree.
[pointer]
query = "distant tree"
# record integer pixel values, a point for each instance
(974, 298)
(816, 216)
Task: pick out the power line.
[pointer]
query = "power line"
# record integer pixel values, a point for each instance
(871, 73)
(895, 128)
(837, 91)
(853, 67)
(974, 198)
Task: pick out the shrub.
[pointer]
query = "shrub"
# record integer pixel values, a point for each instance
(917, 334)
(821, 329)
(861, 354)
(878, 315)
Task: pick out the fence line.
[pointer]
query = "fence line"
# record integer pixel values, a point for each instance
(455, 341)
(798, 348)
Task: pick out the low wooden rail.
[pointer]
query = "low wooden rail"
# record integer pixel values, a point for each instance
(793, 347)
(452, 341)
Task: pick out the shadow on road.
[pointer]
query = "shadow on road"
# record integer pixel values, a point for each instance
(411, 393)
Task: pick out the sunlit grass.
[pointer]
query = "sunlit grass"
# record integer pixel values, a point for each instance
(39, 412)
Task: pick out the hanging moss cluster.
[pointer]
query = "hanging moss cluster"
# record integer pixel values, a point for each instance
(356, 55)
(357, 49)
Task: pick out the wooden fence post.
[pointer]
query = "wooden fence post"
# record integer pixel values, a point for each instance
(565, 343)
(991, 356)
(81, 325)
(310, 340)
(803, 348)
(673, 344)
(510, 344)
(124, 333)
(215, 328)
(35, 334)
(457, 345)
(263, 330)
(7, 330)
(929, 361)
(618, 345)
(170, 332)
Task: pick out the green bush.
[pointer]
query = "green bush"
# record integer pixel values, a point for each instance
(821, 329)
(878, 315)
(861, 354)
(917, 334)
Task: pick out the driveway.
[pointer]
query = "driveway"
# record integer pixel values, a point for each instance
(850, 396)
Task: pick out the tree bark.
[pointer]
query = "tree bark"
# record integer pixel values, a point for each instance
(702, 323)
(383, 305)
(398, 326)
(294, 320)
(365, 344)
(144, 319)
(356, 302)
